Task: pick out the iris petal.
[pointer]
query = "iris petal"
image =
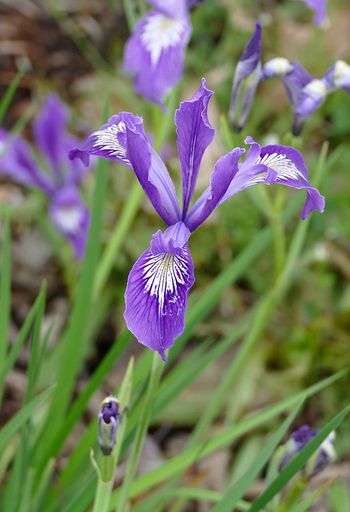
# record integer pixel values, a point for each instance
(157, 291)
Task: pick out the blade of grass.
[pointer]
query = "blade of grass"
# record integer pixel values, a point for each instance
(238, 489)
(5, 293)
(10, 429)
(10, 92)
(190, 455)
(297, 462)
(74, 338)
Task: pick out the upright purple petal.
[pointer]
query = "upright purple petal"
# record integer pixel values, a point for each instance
(109, 141)
(320, 8)
(157, 290)
(245, 81)
(154, 54)
(170, 8)
(311, 97)
(153, 175)
(49, 130)
(194, 134)
(17, 162)
(71, 217)
(224, 171)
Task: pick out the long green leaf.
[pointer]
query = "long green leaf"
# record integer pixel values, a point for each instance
(297, 462)
(5, 292)
(239, 488)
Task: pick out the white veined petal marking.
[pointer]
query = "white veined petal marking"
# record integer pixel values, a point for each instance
(163, 273)
(160, 33)
(285, 168)
(107, 140)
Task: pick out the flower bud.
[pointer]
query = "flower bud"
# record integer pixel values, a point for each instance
(323, 456)
(108, 421)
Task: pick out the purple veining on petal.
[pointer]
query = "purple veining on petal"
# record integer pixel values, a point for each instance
(245, 81)
(154, 54)
(194, 134)
(157, 290)
(109, 141)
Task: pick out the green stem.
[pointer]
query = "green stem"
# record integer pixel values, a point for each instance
(157, 367)
(129, 14)
(120, 231)
(103, 495)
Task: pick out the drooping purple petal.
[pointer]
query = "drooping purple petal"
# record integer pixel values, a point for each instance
(320, 8)
(157, 290)
(109, 141)
(71, 217)
(338, 76)
(245, 81)
(49, 130)
(311, 97)
(225, 169)
(275, 164)
(153, 175)
(154, 54)
(17, 162)
(194, 134)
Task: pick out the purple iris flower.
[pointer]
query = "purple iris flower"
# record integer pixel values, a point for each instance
(54, 173)
(305, 92)
(155, 52)
(160, 280)
(320, 8)
(245, 81)
(299, 439)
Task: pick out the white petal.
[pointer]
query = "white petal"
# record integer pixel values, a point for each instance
(160, 33)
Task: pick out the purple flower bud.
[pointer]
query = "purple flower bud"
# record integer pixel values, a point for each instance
(323, 456)
(108, 422)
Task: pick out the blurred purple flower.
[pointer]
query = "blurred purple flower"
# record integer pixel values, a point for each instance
(54, 173)
(160, 280)
(305, 92)
(338, 76)
(299, 439)
(245, 81)
(154, 54)
(320, 8)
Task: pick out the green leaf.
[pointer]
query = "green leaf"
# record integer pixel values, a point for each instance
(5, 292)
(239, 488)
(297, 462)
(7, 98)
(12, 427)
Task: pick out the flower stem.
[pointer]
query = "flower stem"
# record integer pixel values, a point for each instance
(156, 371)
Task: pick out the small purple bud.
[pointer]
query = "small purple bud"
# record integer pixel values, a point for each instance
(320, 459)
(108, 422)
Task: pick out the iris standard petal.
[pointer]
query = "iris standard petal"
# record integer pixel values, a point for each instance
(71, 217)
(194, 134)
(153, 175)
(224, 171)
(157, 290)
(320, 8)
(170, 8)
(311, 97)
(245, 81)
(154, 54)
(17, 162)
(49, 130)
(109, 141)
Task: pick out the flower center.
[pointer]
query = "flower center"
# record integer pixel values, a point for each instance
(160, 33)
